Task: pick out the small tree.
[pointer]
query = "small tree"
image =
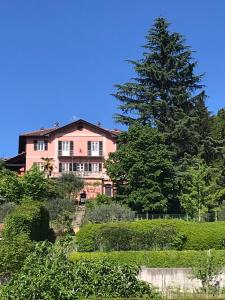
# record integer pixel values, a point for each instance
(200, 189)
(207, 271)
(48, 164)
(11, 189)
(70, 184)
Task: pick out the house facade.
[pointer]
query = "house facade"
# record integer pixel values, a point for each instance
(79, 147)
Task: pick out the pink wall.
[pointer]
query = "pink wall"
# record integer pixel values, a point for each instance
(79, 138)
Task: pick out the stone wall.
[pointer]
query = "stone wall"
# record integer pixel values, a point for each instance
(175, 278)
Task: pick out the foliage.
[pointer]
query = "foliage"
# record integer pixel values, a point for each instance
(13, 253)
(201, 189)
(5, 209)
(142, 170)
(10, 186)
(2, 163)
(33, 184)
(48, 165)
(36, 186)
(207, 269)
(70, 184)
(48, 274)
(58, 206)
(108, 213)
(166, 92)
(153, 259)
(31, 218)
(189, 235)
(218, 125)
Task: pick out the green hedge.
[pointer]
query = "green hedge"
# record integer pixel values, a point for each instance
(189, 235)
(152, 259)
(31, 218)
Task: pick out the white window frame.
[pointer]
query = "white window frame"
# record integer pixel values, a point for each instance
(80, 167)
(65, 148)
(40, 166)
(95, 167)
(65, 167)
(95, 148)
(40, 145)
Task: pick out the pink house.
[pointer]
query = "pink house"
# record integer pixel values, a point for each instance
(79, 147)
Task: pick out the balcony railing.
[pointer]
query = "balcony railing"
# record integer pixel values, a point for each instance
(71, 153)
(85, 174)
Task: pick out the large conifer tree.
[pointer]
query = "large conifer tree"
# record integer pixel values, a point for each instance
(166, 93)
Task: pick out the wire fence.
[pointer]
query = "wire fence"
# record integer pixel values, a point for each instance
(207, 217)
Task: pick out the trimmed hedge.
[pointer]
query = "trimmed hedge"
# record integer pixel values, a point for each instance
(152, 259)
(189, 235)
(31, 218)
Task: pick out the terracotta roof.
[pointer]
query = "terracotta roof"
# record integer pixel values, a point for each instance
(39, 132)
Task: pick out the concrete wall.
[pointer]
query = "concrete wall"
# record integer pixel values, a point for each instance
(175, 278)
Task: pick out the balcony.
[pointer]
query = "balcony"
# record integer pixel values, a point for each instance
(85, 175)
(81, 154)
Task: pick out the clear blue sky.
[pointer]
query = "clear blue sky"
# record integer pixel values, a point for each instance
(60, 59)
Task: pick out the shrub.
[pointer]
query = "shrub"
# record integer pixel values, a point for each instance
(48, 274)
(31, 218)
(58, 206)
(153, 259)
(5, 209)
(183, 235)
(109, 213)
(13, 253)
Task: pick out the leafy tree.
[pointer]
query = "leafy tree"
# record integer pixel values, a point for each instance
(142, 170)
(48, 274)
(36, 186)
(165, 93)
(2, 163)
(201, 189)
(10, 187)
(70, 184)
(57, 206)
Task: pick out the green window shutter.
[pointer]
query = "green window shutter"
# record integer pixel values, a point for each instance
(71, 148)
(100, 167)
(100, 148)
(46, 145)
(74, 167)
(59, 148)
(35, 145)
(89, 168)
(60, 167)
(71, 167)
(89, 148)
(86, 167)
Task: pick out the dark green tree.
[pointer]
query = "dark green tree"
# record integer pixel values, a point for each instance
(142, 171)
(218, 125)
(166, 93)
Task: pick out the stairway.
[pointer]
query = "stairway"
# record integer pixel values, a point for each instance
(79, 215)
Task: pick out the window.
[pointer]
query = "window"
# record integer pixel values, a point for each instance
(80, 167)
(39, 165)
(95, 148)
(40, 145)
(65, 148)
(95, 168)
(64, 167)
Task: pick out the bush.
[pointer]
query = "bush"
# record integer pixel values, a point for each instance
(152, 259)
(57, 207)
(13, 253)
(108, 213)
(30, 218)
(5, 209)
(162, 234)
(48, 274)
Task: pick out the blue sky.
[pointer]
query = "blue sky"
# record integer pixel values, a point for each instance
(60, 59)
